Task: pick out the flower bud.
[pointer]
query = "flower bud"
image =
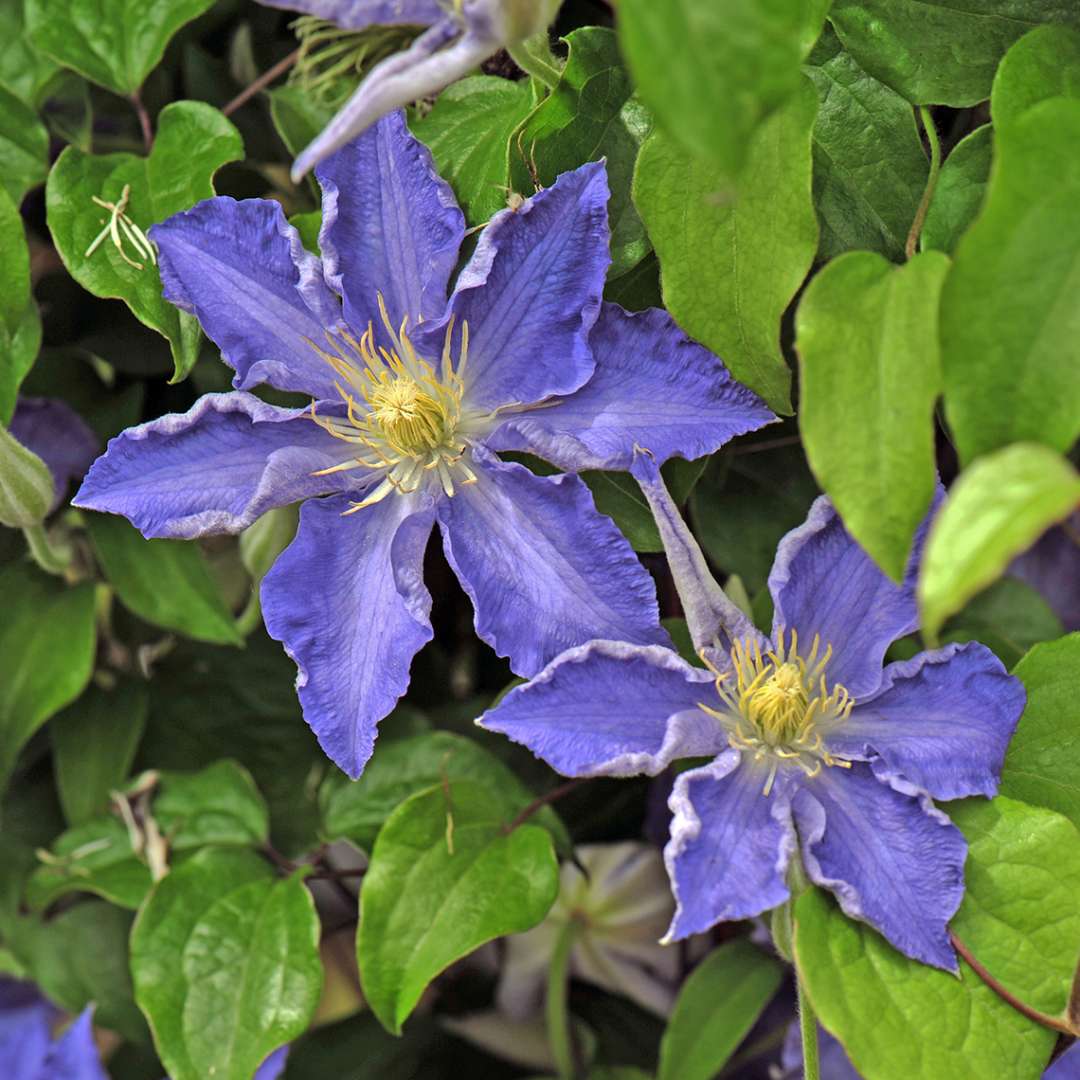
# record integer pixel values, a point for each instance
(520, 19)
(26, 485)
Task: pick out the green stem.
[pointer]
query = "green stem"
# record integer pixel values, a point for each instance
(248, 620)
(560, 1037)
(808, 1030)
(51, 559)
(931, 181)
(534, 65)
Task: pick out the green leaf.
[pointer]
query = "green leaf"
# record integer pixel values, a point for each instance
(960, 190)
(897, 1017)
(591, 114)
(716, 1007)
(47, 642)
(938, 52)
(1042, 766)
(166, 582)
(729, 269)
(193, 141)
(477, 168)
(444, 878)
(14, 267)
(226, 964)
(618, 496)
(65, 105)
(1010, 333)
(94, 743)
(24, 147)
(18, 351)
(997, 508)
(298, 116)
(218, 806)
(866, 334)
(115, 43)
(869, 165)
(1019, 916)
(23, 70)
(1044, 63)
(81, 956)
(26, 485)
(356, 809)
(713, 72)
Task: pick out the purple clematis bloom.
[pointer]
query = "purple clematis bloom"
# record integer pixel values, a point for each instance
(59, 436)
(461, 34)
(813, 743)
(412, 394)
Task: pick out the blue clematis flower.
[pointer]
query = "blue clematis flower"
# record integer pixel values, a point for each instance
(412, 394)
(813, 743)
(461, 35)
(27, 1049)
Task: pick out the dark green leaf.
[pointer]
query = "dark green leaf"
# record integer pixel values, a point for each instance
(713, 72)
(591, 114)
(1044, 63)
(166, 582)
(46, 653)
(938, 52)
(960, 190)
(23, 70)
(65, 105)
(730, 267)
(298, 116)
(869, 164)
(1042, 766)
(18, 351)
(866, 333)
(24, 147)
(94, 743)
(996, 509)
(716, 1007)
(193, 141)
(445, 876)
(14, 267)
(356, 810)
(618, 496)
(1010, 333)
(468, 132)
(226, 964)
(115, 43)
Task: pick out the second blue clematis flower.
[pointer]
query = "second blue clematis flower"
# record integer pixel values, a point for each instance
(815, 748)
(412, 394)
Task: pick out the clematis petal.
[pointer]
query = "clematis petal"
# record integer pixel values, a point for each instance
(390, 224)
(420, 71)
(545, 571)
(274, 1065)
(74, 1055)
(730, 844)
(653, 389)
(823, 583)
(891, 857)
(25, 1021)
(1052, 567)
(241, 269)
(59, 436)
(213, 469)
(359, 14)
(610, 709)
(941, 720)
(347, 600)
(714, 621)
(531, 293)
(1067, 1067)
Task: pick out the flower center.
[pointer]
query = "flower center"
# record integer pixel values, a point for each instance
(403, 415)
(781, 705)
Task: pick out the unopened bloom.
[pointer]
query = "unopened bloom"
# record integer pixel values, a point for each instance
(59, 436)
(461, 35)
(814, 745)
(412, 394)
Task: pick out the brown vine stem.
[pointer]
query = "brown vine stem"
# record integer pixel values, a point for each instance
(1053, 1022)
(552, 796)
(931, 181)
(264, 80)
(144, 120)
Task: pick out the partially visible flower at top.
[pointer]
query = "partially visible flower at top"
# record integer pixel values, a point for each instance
(59, 436)
(814, 745)
(1051, 566)
(28, 1050)
(461, 35)
(412, 394)
(619, 912)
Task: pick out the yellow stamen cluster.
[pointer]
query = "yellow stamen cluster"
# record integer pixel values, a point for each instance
(404, 417)
(780, 704)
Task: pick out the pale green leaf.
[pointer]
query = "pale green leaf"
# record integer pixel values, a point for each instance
(997, 508)
(24, 147)
(866, 334)
(730, 264)
(960, 190)
(1044, 63)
